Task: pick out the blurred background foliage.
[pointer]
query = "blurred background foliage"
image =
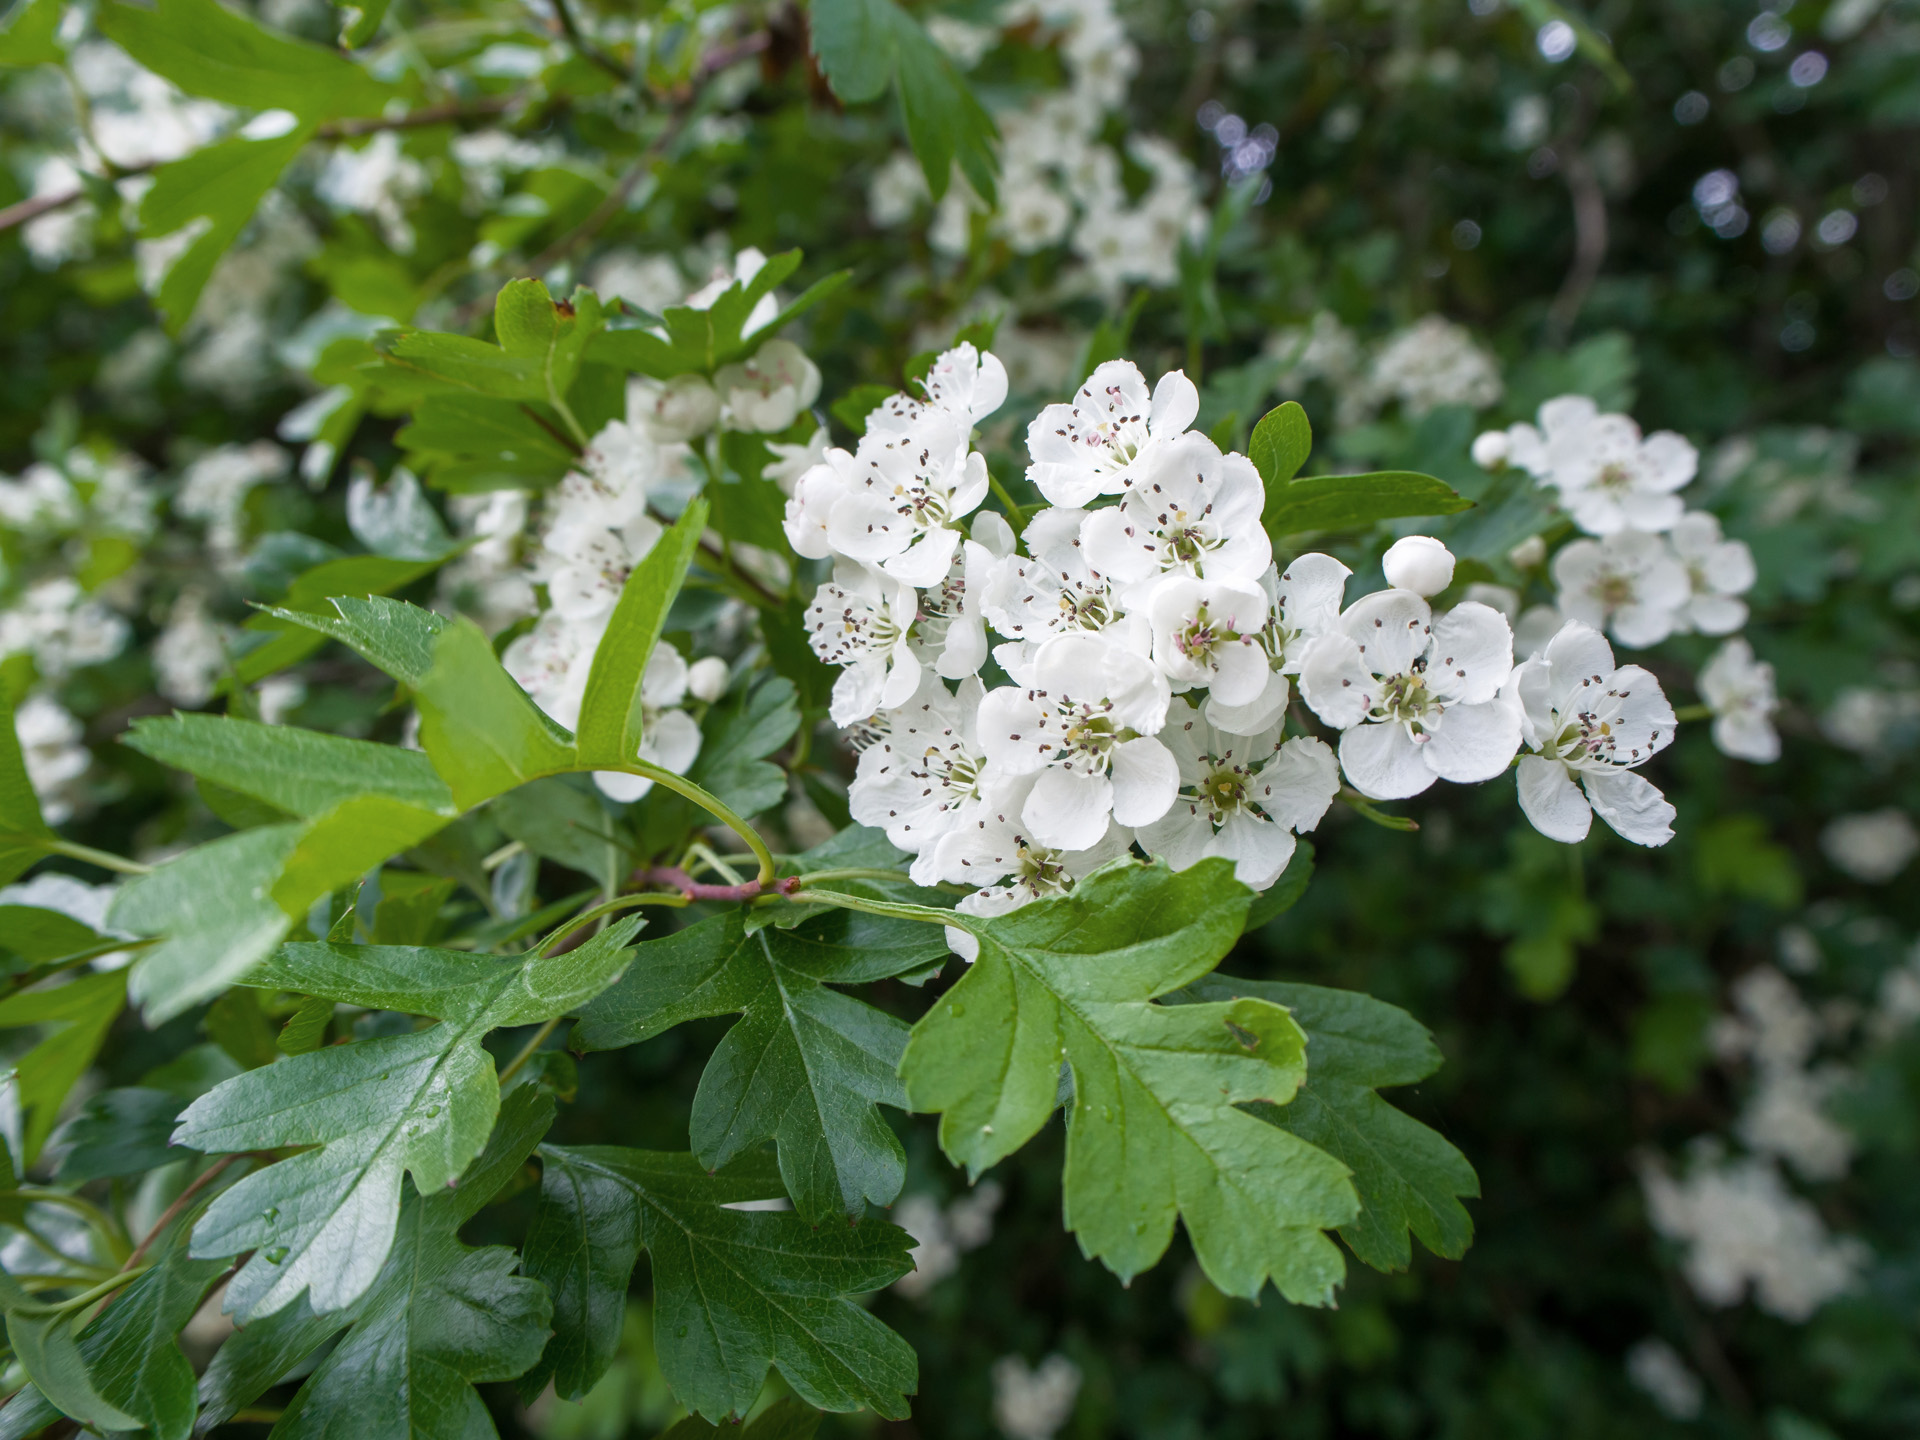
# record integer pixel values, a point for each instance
(1696, 210)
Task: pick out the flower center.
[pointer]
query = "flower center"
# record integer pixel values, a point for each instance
(1407, 699)
(1041, 872)
(1614, 591)
(1202, 636)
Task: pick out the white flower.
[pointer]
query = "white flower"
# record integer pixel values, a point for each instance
(995, 848)
(1630, 584)
(1206, 632)
(1189, 510)
(951, 635)
(1656, 1369)
(1433, 363)
(1582, 717)
(1739, 689)
(1418, 563)
(1872, 847)
(674, 411)
(1418, 697)
(707, 678)
(1084, 725)
(966, 381)
(1719, 570)
(1052, 590)
(1034, 1404)
(1491, 448)
(1097, 443)
(669, 738)
(860, 620)
(50, 745)
(585, 582)
(1244, 797)
(790, 462)
(903, 491)
(190, 655)
(920, 780)
(768, 391)
(1608, 477)
(897, 189)
(1303, 602)
(613, 488)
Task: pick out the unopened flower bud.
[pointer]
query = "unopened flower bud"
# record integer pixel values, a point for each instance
(707, 678)
(1490, 449)
(677, 410)
(1528, 553)
(1418, 563)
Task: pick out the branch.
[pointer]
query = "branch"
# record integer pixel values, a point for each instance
(1589, 245)
(585, 48)
(678, 879)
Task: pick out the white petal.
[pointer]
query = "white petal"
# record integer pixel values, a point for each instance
(1240, 673)
(856, 694)
(966, 648)
(1255, 716)
(1746, 736)
(1550, 799)
(1392, 629)
(868, 528)
(1145, 780)
(1182, 837)
(672, 741)
(1638, 626)
(1258, 848)
(926, 561)
(1578, 652)
(1298, 784)
(1631, 805)
(1472, 653)
(1013, 725)
(1716, 614)
(618, 785)
(1335, 681)
(1473, 742)
(1383, 762)
(1175, 404)
(1068, 811)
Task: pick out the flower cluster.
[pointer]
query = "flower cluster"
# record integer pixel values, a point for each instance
(1145, 647)
(1431, 363)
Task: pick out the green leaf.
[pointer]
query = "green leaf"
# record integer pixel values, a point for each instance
(611, 725)
(1280, 445)
(457, 433)
(1408, 1177)
(31, 36)
(806, 1066)
(530, 324)
(119, 1132)
(301, 772)
(222, 184)
(207, 49)
(439, 1318)
(321, 1222)
(863, 44)
(785, 1419)
(394, 636)
(1285, 892)
(21, 828)
(77, 1015)
(1349, 502)
(45, 1347)
(563, 820)
(313, 592)
(214, 907)
(480, 729)
(1153, 1129)
(740, 733)
(34, 937)
(734, 1292)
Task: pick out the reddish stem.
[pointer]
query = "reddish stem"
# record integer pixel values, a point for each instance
(674, 878)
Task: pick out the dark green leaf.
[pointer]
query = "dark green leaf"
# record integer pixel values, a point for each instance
(734, 1292)
(563, 820)
(21, 828)
(1280, 445)
(119, 1132)
(740, 733)
(77, 1015)
(806, 1066)
(1349, 502)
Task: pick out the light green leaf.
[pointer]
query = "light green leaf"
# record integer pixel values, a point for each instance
(1409, 1178)
(214, 907)
(394, 636)
(222, 184)
(21, 828)
(806, 1066)
(734, 1292)
(1349, 502)
(207, 49)
(321, 1223)
(1154, 1128)
(45, 1347)
(313, 593)
(1280, 445)
(610, 714)
(301, 772)
(505, 437)
(439, 1319)
(530, 324)
(460, 362)
(77, 1015)
(31, 34)
(480, 729)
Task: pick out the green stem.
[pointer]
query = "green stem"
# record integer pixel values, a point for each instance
(922, 913)
(106, 860)
(86, 1297)
(114, 1233)
(528, 1051)
(854, 873)
(1379, 817)
(619, 902)
(1693, 712)
(1015, 516)
(713, 805)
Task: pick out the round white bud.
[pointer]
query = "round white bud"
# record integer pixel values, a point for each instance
(1418, 563)
(707, 678)
(1490, 449)
(1528, 553)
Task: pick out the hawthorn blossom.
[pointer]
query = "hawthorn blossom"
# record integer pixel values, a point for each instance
(1084, 727)
(951, 636)
(1188, 510)
(1630, 584)
(1609, 478)
(53, 751)
(900, 495)
(1303, 603)
(923, 777)
(1719, 570)
(1417, 696)
(1585, 719)
(674, 411)
(1739, 690)
(859, 620)
(1098, 442)
(1052, 590)
(768, 391)
(995, 849)
(1243, 797)
(966, 381)
(1418, 563)
(1205, 632)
